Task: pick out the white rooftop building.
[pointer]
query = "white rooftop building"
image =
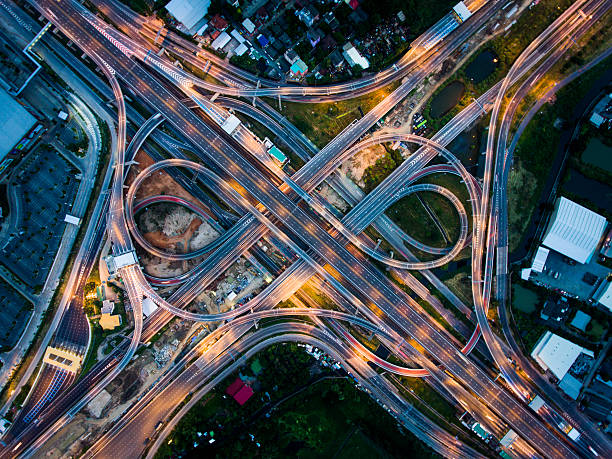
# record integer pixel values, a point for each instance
(148, 306)
(605, 297)
(574, 230)
(540, 259)
(230, 124)
(248, 25)
(188, 12)
(557, 354)
(353, 57)
(462, 11)
(222, 40)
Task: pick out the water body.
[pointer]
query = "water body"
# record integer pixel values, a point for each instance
(447, 99)
(598, 193)
(598, 154)
(482, 66)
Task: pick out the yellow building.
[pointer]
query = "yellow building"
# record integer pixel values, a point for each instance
(110, 321)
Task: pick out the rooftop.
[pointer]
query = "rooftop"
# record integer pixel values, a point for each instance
(188, 12)
(574, 230)
(15, 122)
(580, 320)
(557, 354)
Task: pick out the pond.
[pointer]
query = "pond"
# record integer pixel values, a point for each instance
(523, 299)
(598, 154)
(482, 66)
(598, 193)
(447, 99)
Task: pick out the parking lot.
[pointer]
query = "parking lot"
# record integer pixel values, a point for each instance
(14, 315)
(577, 280)
(46, 186)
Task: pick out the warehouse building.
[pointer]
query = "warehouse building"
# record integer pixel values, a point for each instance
(189, 12)
(574, 231)
(556, 354)
(15, 122)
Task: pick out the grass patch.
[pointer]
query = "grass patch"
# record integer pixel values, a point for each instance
(322, 122)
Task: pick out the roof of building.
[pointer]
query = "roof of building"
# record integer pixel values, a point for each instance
(15, 122)
(218, 22)
(234, 387)
(241, 49)
(299, 67)
(291, 56)
(188, 12)
(263, 41)
(353, 57)
(556, 354)
(540, 259)
(222, 40)
(462, 11)
(238, 36)
(574, 230)
(148, 306)
(248, 25)
(580, 320)
(125, 259)
(605, 297)
(243, 394)
(571, 386)
(555, 309)
(107, 307)
(110, 321)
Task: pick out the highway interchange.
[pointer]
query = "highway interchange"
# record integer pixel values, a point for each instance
(288, 209)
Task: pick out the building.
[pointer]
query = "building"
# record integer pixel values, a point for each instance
(188, 12)
(574, 230)
(308, 15)
(230, 124)
(239, 391)
(110, 321)
(314, 36)
(291, 56)
(571, 386)
(556, 354)
(222, 39)
(113, 264)
(241, 49)
(602, 113)
(555, 310)
(4, 425)
(353, 57)
(461, 12)
(336, 59)
(248, 25)
(603, 295)
(107, 307)
(580, 320)
(148, 307)
(219, 22)
(15, 122)
(298, 69)
(539, 261)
